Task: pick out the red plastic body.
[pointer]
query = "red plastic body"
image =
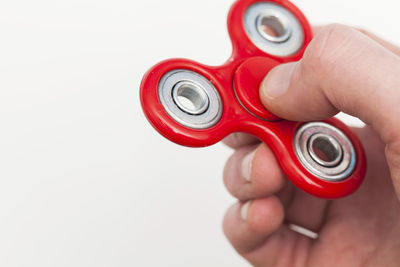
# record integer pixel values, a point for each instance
(245, 70)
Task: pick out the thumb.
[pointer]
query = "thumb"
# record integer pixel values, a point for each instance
(342, 70)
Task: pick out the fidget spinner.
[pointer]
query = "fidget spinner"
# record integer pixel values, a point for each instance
(197, 105)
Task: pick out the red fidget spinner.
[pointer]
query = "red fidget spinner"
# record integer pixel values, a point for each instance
(196, 105)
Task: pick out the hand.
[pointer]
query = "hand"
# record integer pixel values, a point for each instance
(342, 70)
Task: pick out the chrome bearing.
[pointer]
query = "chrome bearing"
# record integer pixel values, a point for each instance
(273, 29)
(190, 99)
(325, 151)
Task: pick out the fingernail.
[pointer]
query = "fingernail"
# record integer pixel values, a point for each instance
(244, 210)
(277, 81)
(247, 165)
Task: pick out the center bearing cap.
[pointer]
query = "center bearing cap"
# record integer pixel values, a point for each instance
(247, 81)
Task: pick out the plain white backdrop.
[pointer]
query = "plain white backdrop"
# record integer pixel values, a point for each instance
(84, 180)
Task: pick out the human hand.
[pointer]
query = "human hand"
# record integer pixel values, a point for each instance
(342, 70)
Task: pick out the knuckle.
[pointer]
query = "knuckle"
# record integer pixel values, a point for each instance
(231, 177)
(393, 156)
(229, 171)
(364, 31)
(327, 49)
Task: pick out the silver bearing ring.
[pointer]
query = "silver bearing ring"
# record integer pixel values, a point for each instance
(190, 99)
(325, 151)
(273, 29)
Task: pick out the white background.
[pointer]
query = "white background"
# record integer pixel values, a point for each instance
(84, 180)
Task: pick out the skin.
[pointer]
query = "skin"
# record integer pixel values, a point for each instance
(347, 70)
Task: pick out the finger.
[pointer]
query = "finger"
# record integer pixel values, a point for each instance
(237, 140)
(253, 172)
(342, 70)
(248, 225)
(266, 179)
(394, 48)
(306, 211)
(256, 231)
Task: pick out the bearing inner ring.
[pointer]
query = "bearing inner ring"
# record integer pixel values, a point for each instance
(273, 29)
(325, 151)
(190, 99)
